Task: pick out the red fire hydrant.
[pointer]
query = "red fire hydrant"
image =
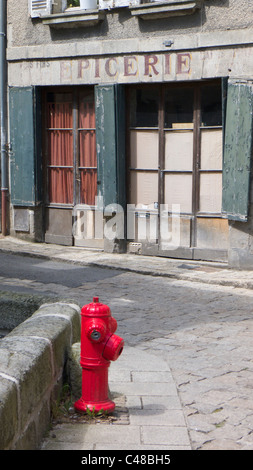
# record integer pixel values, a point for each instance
(99, 346)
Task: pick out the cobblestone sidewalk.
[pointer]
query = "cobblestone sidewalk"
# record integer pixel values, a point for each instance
(203, 329)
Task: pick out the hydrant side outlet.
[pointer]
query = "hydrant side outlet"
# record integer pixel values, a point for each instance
(99, 346)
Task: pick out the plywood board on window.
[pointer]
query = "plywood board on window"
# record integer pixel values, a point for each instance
(179, 150)
(178, 190)
(212, 233)
(184, 233)
(211, 149)
(143, 188)
(84, 227)
(144, 149)
(210, 192)
(146, 227)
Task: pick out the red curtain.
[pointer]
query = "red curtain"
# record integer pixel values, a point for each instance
(87, 151)
(60, 143)
(60, 152)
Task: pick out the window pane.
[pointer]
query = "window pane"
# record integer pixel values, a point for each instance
(59, 110)
(178, 150)
(86, 114)
(211, 108)
(211, 149)
(60, 147)
(87, 148)
(143, 188)
(144, 108)
(87, 145)
(178, 190)
(88, 189)
(60, 185)
(179, 108)
(144, 149)
(210, 192)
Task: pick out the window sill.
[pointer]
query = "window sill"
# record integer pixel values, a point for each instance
(74, 18)
(155, 10)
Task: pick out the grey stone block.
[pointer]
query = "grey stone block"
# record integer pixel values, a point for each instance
(8, 412)
(33, 360)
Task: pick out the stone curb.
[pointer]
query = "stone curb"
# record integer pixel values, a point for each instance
(33, 360)
(208, 272)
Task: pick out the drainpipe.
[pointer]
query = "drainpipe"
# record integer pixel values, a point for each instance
(3, 113)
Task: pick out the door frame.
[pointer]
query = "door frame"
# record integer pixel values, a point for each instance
(62, 211)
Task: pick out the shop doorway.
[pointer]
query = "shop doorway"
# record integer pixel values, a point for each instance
(69, 162)
(175, 148)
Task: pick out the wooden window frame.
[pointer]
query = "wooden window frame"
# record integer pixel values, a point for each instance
(196, 169)
(76, 92)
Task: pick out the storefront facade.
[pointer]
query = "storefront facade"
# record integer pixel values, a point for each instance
(139, 144)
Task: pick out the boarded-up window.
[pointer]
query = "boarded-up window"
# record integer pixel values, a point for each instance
(175, 159)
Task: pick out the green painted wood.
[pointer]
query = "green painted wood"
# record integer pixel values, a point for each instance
(237, 151)
(121, 143)
(25, 187)
(110, 137)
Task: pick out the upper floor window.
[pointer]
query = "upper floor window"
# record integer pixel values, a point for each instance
(40, 8)
(73, 3)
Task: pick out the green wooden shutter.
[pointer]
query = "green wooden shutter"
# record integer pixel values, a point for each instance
(110, 137)
(237, 151)
(25, 151)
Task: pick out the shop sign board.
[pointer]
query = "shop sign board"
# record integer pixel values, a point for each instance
(132, 68)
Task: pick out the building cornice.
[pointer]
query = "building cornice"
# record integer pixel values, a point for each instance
(168, 42)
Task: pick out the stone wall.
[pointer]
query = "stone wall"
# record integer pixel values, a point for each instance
(33, 361)
(214, 15)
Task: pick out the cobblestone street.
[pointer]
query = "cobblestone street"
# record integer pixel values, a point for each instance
(204, 331)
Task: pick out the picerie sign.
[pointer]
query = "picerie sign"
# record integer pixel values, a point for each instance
(127, 68)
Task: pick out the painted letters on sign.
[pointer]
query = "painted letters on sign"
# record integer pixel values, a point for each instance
(136, 68)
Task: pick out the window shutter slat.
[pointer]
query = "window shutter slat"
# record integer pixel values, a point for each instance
(39, 7)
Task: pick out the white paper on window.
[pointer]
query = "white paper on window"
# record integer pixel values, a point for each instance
(178, 190)
(144, 149)
(143, 189)
(211, 149)
(210, 192)
(179, 150)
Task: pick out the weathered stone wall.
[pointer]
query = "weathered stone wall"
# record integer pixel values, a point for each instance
(214, 15)
(33, 360)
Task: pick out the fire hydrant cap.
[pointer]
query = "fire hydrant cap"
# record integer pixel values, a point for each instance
(95, 330)
(113, 348)
(96, 308)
